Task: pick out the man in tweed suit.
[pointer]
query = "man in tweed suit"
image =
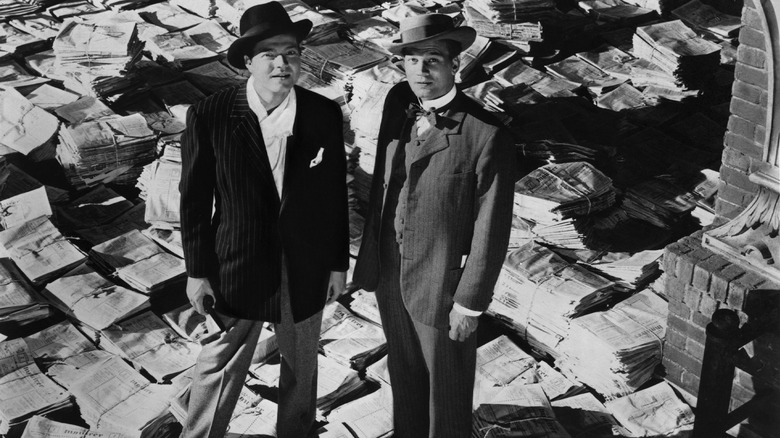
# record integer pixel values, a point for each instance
(437, 229)
(264, 223)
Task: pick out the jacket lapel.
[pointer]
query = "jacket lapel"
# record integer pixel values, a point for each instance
(449, 123)
(249, 137)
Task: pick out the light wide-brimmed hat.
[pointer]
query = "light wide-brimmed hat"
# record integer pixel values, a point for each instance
(261, 22)
(431, 27)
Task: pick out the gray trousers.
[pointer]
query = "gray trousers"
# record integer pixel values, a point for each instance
(223, 364)
(431, 376)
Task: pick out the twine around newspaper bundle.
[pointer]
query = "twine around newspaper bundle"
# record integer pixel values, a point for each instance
(569, 186)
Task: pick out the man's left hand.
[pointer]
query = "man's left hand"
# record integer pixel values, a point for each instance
(462, 326)
(337, 285)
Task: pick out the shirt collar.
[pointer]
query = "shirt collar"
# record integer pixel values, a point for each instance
(439, 102)
(256, 105)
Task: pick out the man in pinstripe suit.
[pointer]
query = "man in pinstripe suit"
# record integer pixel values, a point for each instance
(264, 223)
(437, 229)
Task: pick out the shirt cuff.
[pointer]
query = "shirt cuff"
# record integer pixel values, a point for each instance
(464, 311)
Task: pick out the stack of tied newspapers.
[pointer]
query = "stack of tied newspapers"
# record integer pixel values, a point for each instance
(112, 395)
(369, 90)
(349, 339)
(679, 51)
(25, 127)
(557, 198)
(40, 250)
(93, 54)
(136, 259)
(18, 300)
(25, 390)
(109, 149)
(538, 294)
(92, 299)
(616, 351)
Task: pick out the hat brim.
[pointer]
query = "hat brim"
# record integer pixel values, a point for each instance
(239, 48)
(463, 35)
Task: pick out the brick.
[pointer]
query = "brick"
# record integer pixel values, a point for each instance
(745, 109)
(763, 101)
(692, 296)
(745, 145)
(753, 38)
(684, 269)
(727, 210)
(738, 290)
(690, 381)
(744, 379)
(708, 305)
(752, 56)
(676, 338)
(703, 270)
(679, 309)
(741, 394)
(719, 281)
(736, 158)
(752, 76)
(669, 260)
(737, 178)
(694, 349)
(741, 126)
(735, 195)
(752, 19)
(673, 371)
(700, 320)
(748, 92)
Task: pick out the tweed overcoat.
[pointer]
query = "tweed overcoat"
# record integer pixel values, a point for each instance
(458, 211)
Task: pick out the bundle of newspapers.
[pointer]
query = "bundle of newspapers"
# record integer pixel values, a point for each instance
(324, 24)
(18, 300)
(633, 271)
(349, 339)
(679, 51)
(616, 351)
(659, 201)
(558, 198)
(96, 56)
(138, 260)
(92, 299)
(25, 127)
(509, 11)
(369, 89)
(340, 60)
(110, 149)
(40, 250)
(663, 7)
(538, 294)
(24, 389)
(706, 18)
(159, 185)
(527, 31)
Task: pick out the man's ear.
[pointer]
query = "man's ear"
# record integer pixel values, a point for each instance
(247, 61)
(456, 63)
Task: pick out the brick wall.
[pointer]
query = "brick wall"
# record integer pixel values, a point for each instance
(744, 140)
(698, 283)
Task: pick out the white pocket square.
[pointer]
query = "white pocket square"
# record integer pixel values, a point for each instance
(318, 159)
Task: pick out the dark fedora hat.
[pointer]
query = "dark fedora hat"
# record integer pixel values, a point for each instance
(431, 27)
(260, 22)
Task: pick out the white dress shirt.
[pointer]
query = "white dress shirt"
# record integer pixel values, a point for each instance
(422, 126)
(433, 104)
(276, 127)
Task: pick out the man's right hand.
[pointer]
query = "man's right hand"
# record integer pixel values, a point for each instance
(197, 289)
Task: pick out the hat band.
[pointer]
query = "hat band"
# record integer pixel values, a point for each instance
(421, 32)
(272, 28)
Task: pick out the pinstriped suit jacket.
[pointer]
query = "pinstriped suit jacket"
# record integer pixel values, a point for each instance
(461, 184)
(240, 246)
